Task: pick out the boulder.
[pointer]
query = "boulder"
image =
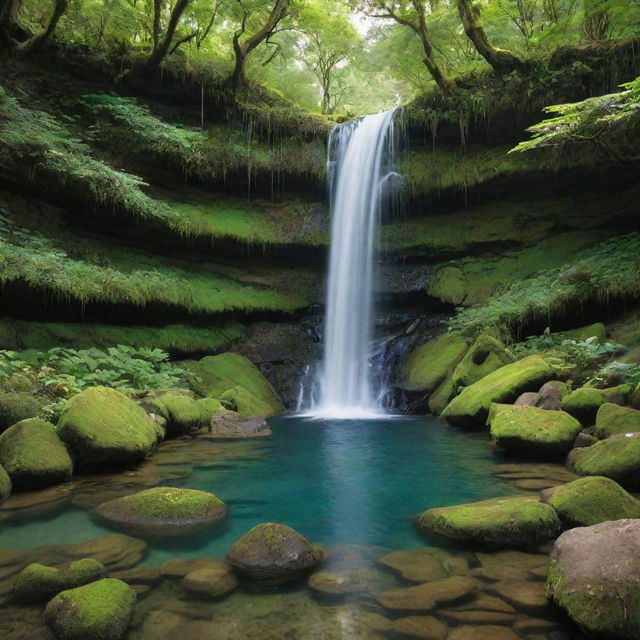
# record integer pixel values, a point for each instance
(471, 407)
(591, 500)
(428, 365)
(213, 581)
(103, 426)
(216, 375)
(613, 419)
(486, 355)
(617, 458)
(38, 582)
(548, 397)
(5, 484)
(273, 553)
(15, 407)
(164, 512)
(596, 330)
(583, 403)
(441, 396)
(33, 455)
(97, 611)
(500, 522)
(182, 413)
(594, 576)
(534, 432)
(231, 426)
(208, 408)
(244, 403)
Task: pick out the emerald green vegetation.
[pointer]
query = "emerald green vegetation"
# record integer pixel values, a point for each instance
(613, 419)
(615, 458)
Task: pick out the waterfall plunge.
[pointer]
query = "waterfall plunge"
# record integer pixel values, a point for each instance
(359, 155)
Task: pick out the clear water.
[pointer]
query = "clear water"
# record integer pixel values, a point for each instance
(336, 482)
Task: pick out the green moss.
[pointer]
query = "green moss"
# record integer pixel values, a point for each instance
(592, 500)
(501, 522)
(616, 458)
(33, 455)
(5, 484)
(102, 426)
(471, 407)
(485, 356)
(246, 404)
(428, 365)
(208, 407)
(584, 403)
(15, 407)
(94, 611)
(596, 329)
(440, 397)
(534, 432)
(38, 582)
(613, 419)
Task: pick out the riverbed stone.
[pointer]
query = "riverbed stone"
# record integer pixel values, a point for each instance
(424, 564)
(425, 597)
(274, 553)
(500, 522)
(524, 595)
(486, 355)
(97, 611)
(483, 632)
(164, 512)
(591, 500)
(617, 458)
(213, 582)
(480, 601)
(509, 565)
(421, 627)
(595, 576)
(534, 432)
(344, 582)
(476, 617)
(102, 426)
(613, 419)
(471, 407)
(38, 582)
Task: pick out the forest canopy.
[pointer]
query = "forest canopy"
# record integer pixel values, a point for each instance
(329, 56)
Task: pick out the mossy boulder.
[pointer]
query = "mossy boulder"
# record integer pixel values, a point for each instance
(595, 330)
(216, 375)
(613, 419)
(441, 396)
(486, 355)
(428, 365)
(164, 512)
(244, 403)
(15, 407)
(273, 553)
(593, 576)
(5, 484)
(617, 458)
(500, 522)
(102, 426)
(181, 412)
(584, 403)
(471, 407)
(209, 407)
(591, 500)
(534, 432)
(100, 610)
(33, 455)
(38, 582)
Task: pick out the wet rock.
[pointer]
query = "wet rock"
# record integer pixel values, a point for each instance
(528, 399)
(164, 512)
(483, 632)
(38, 582)
(139, 575)
(613, 419)
(115, 551)
(97, 611)
(529, 626)
(180, 567)
(422, 627)
(5, 484)
(477, 617)
(213, 582)
(593, 575)
(333, 582)
(584, 439)
(482, 602)
(509, 565)
(525, 595)
(274, 553)
(501, 522)
(426, 596)
(425, 564)
(231, 426)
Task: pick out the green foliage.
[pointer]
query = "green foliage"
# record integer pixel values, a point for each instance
(616, 373)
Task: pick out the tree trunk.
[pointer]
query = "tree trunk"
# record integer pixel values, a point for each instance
(37, 42)
(501, 60)
(162, 48)
(596, 21)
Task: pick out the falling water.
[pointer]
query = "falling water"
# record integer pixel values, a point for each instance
(360, 154)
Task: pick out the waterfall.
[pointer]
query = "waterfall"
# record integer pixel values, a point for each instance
(360, 157)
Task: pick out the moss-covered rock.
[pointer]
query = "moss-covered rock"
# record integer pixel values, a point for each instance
(218, 374)
(441, 396)
(584, 403)
(15, 407)
(244, 403)
(617, 458)
(102, 426)
(593, 576)
(534, 432)
(591, 500)
(273, 553)
(33, 455)
(428, 365)
(486, 355)
(182, 413)
(209, 407)
(634, 398)
(164, 512)
(5, 484)
(501, 522)
(97, 611)
(38, 582)
(612, 419)
(471, 407)
(596, 330)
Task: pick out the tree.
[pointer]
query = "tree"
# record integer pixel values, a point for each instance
(38, 41)
(162, 43)
(597, 20)
(8, 10)
(243, 48)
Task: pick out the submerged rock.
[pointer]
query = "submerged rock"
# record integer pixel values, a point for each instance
(421, 627)
(97, 611)
(426, 596)
(273, 553)
(613, 419)
(471, 407)
(164, 512)
(39, 582)
(534, 432)
(34, 456)
(101, 426)
(591, 500)
(214, 581)
(346, 582)
(501, 522)
(594, 576)
(424, 564)
(231, 426)
(483, 632)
